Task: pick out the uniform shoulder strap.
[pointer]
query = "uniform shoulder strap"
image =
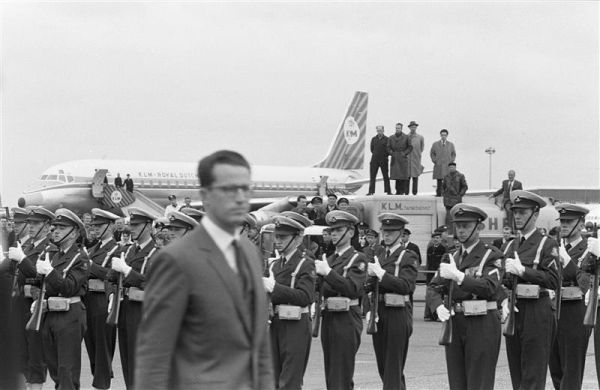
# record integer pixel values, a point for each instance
(347, 266)
(482, 263)
(70, 264)
(536, 261)
(293, 283)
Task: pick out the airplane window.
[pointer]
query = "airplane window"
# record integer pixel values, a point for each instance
(69, 178)
(62, 178)
(44, 177)
(52, 177)
(61, 172)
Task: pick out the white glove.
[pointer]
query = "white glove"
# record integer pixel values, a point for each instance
(43, 267)
(514, 266)
(269, 283)
(110, 302)
(322, 266)
(119, 265)
(594, 246)
(270, 260)
(586, 298)
(505, 309)
(564, 256)
(368, 316)
(16, 254)
(449, 271)
(374, 269)
(32, 307)
(442, 313)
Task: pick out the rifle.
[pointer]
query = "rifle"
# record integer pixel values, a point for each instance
(36, 317)
(446, 334)
(113, 313)
(319, 298)
(560, 282)
(509, 325)
(589, 320)
(372, 325)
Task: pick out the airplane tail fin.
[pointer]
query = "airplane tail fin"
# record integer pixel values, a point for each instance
(347, 151)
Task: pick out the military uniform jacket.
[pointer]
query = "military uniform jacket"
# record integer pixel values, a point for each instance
(405, 282)
(572, 274)
(304, 286)
(351, 286)
(546, 274)
(70, 274)
(372, 251)
(485, 285)
(135, 257)
(99, 261)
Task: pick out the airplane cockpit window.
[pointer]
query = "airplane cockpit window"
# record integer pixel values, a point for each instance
(52, 177)
(44, 177)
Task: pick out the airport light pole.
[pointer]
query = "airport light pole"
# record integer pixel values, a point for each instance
(490, 151)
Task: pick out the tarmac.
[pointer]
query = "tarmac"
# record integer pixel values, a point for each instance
(425, 366)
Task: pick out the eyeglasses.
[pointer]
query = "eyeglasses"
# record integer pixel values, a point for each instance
(233, 190)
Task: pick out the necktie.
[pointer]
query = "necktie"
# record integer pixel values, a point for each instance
(444, 143)
(242, 266)
(568, 246)
(462, 257)
(136, 250)
(388, 253)
(522, 241)
(510, 186)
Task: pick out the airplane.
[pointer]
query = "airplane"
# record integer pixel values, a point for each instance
(80, 185)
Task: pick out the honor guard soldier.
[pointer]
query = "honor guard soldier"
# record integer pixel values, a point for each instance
(589, 264)
(20, 223)
(532, 269)
(342, 285)
(65, 279)
(476, 276)
(25, 258)
(179, 224)
(100, 338)
(373, 247)
(133, 269)
(395, 275)
(194, 213)
(311, 247)
(291, 283)
(567, 358)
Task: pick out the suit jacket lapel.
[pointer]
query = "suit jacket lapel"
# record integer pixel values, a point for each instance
(231, 282)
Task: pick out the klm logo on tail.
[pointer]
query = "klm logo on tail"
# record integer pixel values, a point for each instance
(347, 150)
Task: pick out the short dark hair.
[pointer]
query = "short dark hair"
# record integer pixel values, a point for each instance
(399, 124)
(330, 195)
(300, 197)
(443, 131)
(206, 165)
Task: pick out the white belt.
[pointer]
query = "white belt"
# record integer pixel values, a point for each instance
(302, 309)
(96, 285)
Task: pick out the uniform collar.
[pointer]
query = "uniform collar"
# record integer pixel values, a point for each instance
(395, 247)
(469, 249)
(343, 250)
(575, 242)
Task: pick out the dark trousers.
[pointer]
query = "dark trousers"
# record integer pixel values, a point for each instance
(528, 350)
(34, 367)
(567, 358)
(472, 356)
(129, 320)
(290, 343)
(99, 339)
(415, 186)
(438, 187)
(448, 220)
(402, 187)
(394, 329)
(340, 339)
(374, 167)
(597, 345)
(62, 333)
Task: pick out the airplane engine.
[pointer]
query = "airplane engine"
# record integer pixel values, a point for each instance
(265, 214)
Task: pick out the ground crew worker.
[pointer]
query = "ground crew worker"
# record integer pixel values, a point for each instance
(100, 338)
(25, 258)
(343, 277)
(65, 278)
(179, 225)
(534, 267)
(396, 271)
(290, 280)
(476, 275)
(567, 358)
(133, 269)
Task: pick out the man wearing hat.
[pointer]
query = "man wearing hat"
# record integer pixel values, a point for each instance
(65, 278)
(100, 338)
(532, 262)
(25, 258)
(372, 248)
(410, 245)
(313, 247)
(567, 358)
(290, 281)
(415, 168)
(475, 273)
(133, 270)
(435, 251)
(399, 148)
(20, 225)
(454, 187)
(250, 229)
(179, 224)
(342, 284)
(396, 274)
(379, 160)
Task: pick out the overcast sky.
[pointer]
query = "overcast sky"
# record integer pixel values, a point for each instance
(175, 81)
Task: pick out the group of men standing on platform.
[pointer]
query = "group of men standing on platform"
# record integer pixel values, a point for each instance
(406, 152)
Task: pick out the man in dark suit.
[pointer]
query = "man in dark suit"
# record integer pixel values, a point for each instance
(118, 181)
(379, 160)
(129, 183)
(507, 186)
(205, 317)
(411, 245)
(500, 243)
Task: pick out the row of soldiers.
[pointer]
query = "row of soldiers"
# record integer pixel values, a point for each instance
(476, 288)
(79, 288)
